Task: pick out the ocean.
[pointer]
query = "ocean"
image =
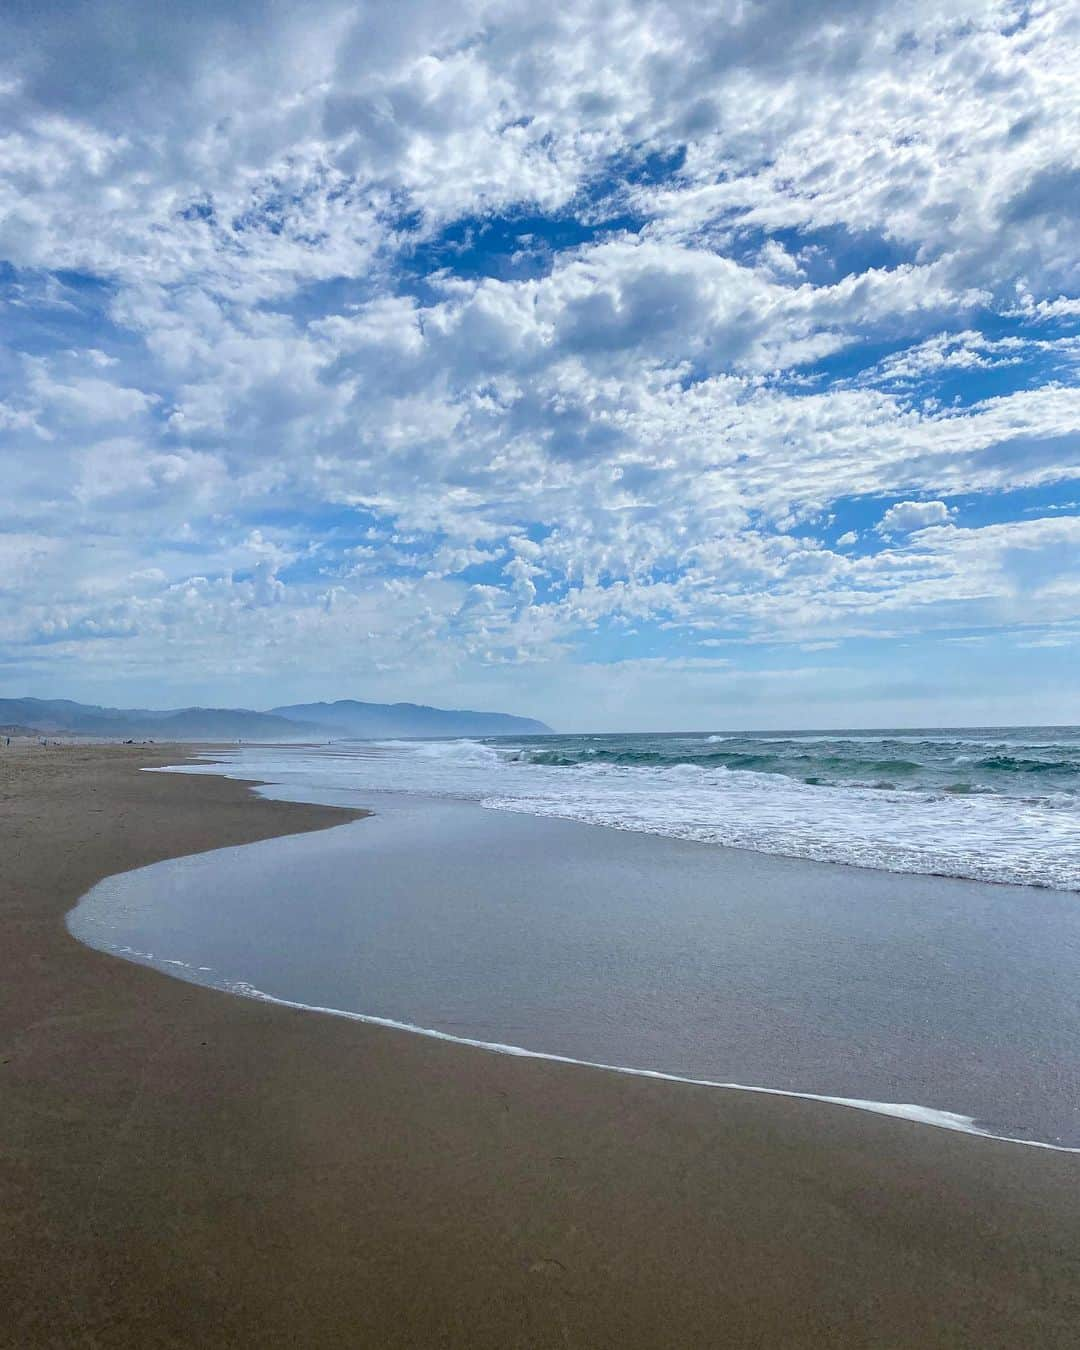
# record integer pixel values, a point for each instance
(989, 804)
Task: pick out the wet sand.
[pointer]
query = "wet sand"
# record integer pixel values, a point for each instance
(179, 1167)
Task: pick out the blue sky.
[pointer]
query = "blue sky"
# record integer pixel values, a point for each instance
(617, 365)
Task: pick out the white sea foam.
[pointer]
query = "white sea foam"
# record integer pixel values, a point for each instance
(976, 836)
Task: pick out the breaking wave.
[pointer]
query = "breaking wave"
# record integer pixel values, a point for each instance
(995, 805)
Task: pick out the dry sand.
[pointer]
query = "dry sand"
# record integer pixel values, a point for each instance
(179, 1167)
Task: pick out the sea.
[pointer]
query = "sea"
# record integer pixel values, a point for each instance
(887, 920)
(990, 804)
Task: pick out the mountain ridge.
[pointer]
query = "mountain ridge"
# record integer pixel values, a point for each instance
(296, 722)
(409, 719)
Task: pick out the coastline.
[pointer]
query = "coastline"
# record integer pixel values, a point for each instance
(181, 1166)
(446, 919)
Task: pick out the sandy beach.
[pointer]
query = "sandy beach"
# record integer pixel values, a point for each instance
(181, 1167)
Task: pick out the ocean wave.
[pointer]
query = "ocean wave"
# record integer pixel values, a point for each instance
(819, 766)
(1016, 764)
(448, 752)
(907, 804)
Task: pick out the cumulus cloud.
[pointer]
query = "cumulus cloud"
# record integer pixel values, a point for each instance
(904, 517)
(481, 338)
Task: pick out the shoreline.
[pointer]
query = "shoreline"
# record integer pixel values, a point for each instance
(929, 1116)
(183, 1167)
(243, 974)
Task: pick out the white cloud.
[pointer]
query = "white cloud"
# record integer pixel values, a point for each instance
(907, 516)
(699, 286)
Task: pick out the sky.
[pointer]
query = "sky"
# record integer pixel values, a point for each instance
(628, 365)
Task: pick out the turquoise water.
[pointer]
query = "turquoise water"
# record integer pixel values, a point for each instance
(1027, 764)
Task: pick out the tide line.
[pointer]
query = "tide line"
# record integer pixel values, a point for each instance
(920, 1115)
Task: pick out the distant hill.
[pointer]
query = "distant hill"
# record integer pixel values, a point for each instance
(55, 714)
(210, 724)
(300, 722)
(179, 724)
(373, 720)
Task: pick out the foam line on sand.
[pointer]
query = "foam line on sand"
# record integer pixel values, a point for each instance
(921, 1115)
